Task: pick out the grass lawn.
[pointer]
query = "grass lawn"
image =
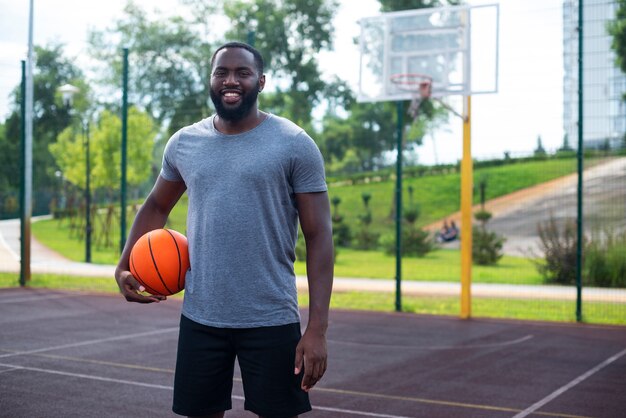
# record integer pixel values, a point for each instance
(57, 235)
(530, 309)
(440, 265)
(438, 196)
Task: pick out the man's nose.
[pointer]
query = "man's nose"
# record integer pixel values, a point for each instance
(231, 78)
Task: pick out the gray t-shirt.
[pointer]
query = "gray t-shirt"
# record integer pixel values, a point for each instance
(242, 221)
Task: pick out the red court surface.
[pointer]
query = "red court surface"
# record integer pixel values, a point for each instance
(77, 355)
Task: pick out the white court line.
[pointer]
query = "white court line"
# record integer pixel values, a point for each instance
(9, 249)
(155, 386)
(32, 298)
(10, 370)
(570, 385)
(350, 411)
(438, 347)
(82, 343)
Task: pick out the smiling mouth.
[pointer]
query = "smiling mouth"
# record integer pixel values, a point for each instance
(231, 97)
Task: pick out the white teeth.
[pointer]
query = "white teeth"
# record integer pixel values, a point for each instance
(231, 94)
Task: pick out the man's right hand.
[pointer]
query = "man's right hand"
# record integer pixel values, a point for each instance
(130, 289)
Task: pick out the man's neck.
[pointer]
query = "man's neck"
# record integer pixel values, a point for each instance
(247, 123)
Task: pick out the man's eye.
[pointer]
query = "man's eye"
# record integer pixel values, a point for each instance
(219, 74)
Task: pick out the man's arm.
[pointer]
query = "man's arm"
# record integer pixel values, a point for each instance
(152, 215)
(315, 220)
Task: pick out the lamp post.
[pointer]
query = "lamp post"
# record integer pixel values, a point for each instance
(68, 91)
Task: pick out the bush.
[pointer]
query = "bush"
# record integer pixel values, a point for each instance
(486, 247)
(365, 239)
(415, 242)
(605, 261)
(559, 252)
(482, 216)
(342, 235)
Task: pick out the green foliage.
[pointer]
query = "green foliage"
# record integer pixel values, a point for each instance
(397, 5)
(482, 216)
(365, 239)
(486, 247)
(342, 234)
(559, 251)
(566, 147)
(439, 192)
(356, 142)
(50, 117)
(617, 29)
(105, 150)
(289, 34)
(605, 260)
(415, 242)
(540, 150)
(169, 56)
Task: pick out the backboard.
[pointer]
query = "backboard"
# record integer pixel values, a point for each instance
(456, 46)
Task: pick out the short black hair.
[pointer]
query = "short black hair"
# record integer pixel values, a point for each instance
(258, 58)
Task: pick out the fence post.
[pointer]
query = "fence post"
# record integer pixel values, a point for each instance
(579, 208)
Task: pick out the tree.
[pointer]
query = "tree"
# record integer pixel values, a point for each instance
(617, 29)
(373, 125)
(397, 5)
(566, 147)
(50, 117)
(539, 151)
(169, 59)
(105, 150)
(289, 34)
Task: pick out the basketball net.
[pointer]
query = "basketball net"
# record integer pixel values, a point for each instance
(420, 86)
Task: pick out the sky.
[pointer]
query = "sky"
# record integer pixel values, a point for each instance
(528, 103)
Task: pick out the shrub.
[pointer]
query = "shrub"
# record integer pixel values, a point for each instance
(341, 231)
(415, 242)
(605, 260)
(482, 216)
(559, 251)
(486, 247)
(365, 239)
(342, 235)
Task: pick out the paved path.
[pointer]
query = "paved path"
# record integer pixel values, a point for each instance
(46, 261)
(515, 216)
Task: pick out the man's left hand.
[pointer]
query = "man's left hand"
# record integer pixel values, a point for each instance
(311, 351)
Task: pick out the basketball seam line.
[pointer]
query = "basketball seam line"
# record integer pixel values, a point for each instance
(141, 281)
(180, 261)
(155, 264)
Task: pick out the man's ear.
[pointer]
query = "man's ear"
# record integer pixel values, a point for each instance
(261, 83)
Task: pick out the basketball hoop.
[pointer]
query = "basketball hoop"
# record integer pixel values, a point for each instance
(419, 85)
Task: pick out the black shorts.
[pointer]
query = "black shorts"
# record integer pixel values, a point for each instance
(205, 365)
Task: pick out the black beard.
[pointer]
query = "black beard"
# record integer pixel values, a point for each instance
(237, 113)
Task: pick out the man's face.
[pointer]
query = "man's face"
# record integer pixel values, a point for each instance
(235, 83)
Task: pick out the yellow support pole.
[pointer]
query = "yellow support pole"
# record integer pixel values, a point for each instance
(466, 213)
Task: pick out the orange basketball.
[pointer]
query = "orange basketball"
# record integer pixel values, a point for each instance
(159, 261)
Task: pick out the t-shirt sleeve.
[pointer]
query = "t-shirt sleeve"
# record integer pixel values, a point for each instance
(169, 168)
(308, 166)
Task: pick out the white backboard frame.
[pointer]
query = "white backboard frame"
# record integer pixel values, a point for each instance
(436, 42)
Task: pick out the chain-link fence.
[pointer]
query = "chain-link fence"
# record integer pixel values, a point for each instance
(524, 139)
